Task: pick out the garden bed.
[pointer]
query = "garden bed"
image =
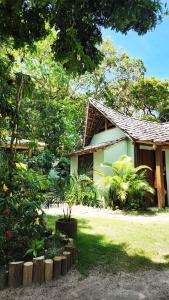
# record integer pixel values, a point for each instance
(40, 269)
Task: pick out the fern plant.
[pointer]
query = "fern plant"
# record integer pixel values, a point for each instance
(127, 185)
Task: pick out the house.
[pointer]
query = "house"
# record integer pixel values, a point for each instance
(110, 134)
(22, 145)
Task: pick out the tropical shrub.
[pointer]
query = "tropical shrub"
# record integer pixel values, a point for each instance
(41, 161)
(127, 186)
(59, 177)
(81, 191)
(21, 216)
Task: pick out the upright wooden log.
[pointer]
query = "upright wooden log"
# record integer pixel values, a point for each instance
(71, 248)
(48, 270)
(71, 241)
(57, 260)
(38, 270)
(63, 265)
(160, 177)
(15, 274)
(3, 278)
(68, 255)
(27, 273)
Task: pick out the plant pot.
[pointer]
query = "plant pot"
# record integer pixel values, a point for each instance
(67, 226)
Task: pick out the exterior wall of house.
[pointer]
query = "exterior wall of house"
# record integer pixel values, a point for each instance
(113, 153)
(107, 135)
(74, 165)
(130, 149)
(98, 159)
(167, 172)
(110, 154)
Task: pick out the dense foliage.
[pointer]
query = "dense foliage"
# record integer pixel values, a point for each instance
(78, 25)
(126, 187)
(120, 82)
(21, 216)
(81, 190)
(39, 100)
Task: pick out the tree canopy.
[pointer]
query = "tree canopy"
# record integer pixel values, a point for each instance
(78, 24)
(52, 107)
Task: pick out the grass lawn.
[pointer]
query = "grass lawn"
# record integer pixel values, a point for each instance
(116, 244)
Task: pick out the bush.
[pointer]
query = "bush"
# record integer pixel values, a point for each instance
(126, 187)
(81, 191)
(21, 217)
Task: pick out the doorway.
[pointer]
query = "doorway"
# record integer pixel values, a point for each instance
(147, 157)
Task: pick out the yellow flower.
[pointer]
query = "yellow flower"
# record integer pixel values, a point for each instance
(21, 166)
(10, 194)
(37, 221)
(5, 188)
(17, 204)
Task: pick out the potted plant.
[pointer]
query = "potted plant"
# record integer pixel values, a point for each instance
(67, 224)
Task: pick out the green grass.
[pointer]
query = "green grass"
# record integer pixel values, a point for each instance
(115, 244)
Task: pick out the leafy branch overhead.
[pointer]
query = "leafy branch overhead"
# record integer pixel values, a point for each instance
(78, 25)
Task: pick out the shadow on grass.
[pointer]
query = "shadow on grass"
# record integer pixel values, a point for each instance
(93, 251)
(153, 211)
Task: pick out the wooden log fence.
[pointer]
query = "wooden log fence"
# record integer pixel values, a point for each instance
(57, 260)
(27, 273)
(48, 270)
(15, 274)
(40, 270)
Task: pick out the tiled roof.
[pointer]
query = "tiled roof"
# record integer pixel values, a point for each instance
(93, 148)
(136, 129)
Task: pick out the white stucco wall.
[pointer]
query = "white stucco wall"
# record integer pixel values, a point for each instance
(113, 153)
(74, 165)
(107, 135)
(130, 149)
(108, 155)
(98, 159)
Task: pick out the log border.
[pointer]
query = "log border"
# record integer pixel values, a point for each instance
(61, 265)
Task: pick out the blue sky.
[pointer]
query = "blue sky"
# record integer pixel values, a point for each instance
(152, 48)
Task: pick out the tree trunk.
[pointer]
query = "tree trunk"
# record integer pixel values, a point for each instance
(27, 273)
(57, 260)
(38, 270)
(15, 123)
(15, 274)
(64, 265)
(48, 270)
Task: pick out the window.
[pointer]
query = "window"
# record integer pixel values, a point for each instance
(85, 165)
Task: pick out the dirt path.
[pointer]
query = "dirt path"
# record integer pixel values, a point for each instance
(150, 285)
(85, 211)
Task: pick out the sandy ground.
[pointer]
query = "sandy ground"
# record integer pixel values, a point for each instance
(86, 211)
(151, 285)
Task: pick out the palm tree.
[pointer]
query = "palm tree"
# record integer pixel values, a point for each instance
(127, 185)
